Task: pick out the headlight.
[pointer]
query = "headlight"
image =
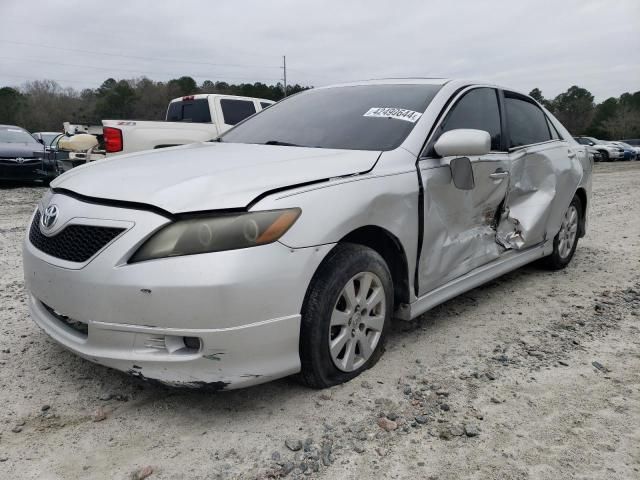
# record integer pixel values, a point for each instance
(214, 234)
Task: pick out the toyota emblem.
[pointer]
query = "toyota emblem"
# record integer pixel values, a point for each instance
(20, 160)
(50, 216)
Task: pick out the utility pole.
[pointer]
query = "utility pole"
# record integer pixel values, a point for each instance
(284, 69)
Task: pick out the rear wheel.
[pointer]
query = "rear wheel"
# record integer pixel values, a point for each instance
(566, 241)
(345, 316)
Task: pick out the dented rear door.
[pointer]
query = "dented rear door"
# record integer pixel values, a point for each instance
(545, 174)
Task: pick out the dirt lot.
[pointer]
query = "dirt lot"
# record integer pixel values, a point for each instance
(536, 375)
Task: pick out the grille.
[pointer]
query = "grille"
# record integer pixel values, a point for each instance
(75, 243)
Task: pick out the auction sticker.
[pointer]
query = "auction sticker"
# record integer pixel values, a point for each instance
(390, 112)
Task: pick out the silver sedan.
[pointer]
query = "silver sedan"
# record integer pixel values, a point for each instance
(290, 243)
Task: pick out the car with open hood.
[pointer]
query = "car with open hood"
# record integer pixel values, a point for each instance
(290, 243)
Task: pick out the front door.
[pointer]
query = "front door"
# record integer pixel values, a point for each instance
(459, 229)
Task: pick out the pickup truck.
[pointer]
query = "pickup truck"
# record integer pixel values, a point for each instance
(190, 119)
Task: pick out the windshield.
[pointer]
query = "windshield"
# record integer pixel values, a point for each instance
(15, 135)
(363, 117)
(48, 138)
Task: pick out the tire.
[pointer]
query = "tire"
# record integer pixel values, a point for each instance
(569, 230)
(605, 155)
(327, 302)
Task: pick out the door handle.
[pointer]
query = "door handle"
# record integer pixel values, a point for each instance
(498, 175)
(571, 154)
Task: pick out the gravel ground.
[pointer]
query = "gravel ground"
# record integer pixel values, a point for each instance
(535, 375)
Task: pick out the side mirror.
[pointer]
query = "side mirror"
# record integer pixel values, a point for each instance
(462, 173)
(463, 142)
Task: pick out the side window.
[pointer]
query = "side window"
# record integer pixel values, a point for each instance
(477, 109)
(527, 123)
(554, 133)
(196, 111)
(265, 105)
(234, 111)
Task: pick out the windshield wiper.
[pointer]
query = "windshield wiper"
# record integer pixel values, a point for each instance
(282, 144)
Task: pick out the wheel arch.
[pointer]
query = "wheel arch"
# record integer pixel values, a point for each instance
(581, 193)
(391, 250)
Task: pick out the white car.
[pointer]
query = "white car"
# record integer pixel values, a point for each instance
(290, 244)
(607, 151)
(189, 119)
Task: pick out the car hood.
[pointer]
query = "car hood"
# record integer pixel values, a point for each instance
(24, 150)
(210, 175)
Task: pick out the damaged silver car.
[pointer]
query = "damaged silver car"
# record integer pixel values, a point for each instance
(290, 243)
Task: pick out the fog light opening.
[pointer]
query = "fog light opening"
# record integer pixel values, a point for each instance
(192, 343)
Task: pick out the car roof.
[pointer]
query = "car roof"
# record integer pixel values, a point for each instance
(12, 126)
(200, 96)
(454, 83)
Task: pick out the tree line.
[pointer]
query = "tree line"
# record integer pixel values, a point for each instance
(612, 119)
(44, 105)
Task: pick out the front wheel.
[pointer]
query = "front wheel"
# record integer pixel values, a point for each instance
(605, 155)
(566, 241)
(345, 316)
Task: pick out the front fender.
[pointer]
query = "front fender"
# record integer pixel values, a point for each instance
(333, 209)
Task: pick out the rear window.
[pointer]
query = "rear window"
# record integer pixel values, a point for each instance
(195, 111)
(527, 123)
(234, 111)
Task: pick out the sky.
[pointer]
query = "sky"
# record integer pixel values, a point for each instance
(520, 44)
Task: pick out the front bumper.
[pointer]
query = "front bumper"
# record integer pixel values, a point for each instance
(29, 170)
(243, 305)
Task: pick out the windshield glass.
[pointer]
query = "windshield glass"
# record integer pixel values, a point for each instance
(15, 135)
(48, 138)
(363, 117)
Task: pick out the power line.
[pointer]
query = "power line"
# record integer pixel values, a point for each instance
(139, 57)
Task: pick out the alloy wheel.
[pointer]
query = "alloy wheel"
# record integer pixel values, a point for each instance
(357, 321)
(568, 232)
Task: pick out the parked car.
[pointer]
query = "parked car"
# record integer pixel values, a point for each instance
(22, 157)
(290, 243)
(635, 144)
(607, 151)
(46, 138)
(630, 152)
(194, 118)
(593, 152)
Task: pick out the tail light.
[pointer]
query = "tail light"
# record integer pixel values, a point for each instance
(188, 98)
(112, 139)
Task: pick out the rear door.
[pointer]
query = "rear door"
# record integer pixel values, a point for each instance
(545, 173)
(459, 230)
